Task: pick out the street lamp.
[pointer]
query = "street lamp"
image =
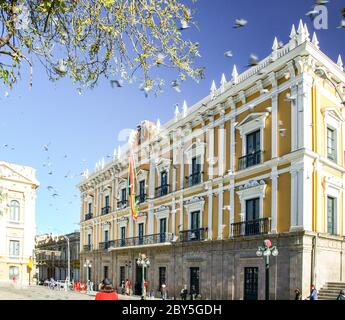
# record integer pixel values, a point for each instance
(87, 265)
(323, 74)
(68, 262)
(144, 262)
(266, 251)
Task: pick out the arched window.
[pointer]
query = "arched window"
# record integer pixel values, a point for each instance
(15, 210)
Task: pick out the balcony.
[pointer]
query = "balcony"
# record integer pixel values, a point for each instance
(142, 240)
(106, 210)
(250, 160)
(193, 235)
(141, 198)
(87, 247)
(122, 204)
(251, 228)
(104, 245)
(88, 216)
(194, 179)
(162, 190)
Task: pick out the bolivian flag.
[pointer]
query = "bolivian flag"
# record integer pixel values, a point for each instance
(132, 183)
(30, 264)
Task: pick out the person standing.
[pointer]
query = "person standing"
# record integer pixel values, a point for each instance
(128, 287)
(107, 291)
(164, 291)
(184, 293)
(313, 293)
(341, 295)
(298, 294)
(192, 293)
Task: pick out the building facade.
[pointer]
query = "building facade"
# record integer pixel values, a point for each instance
(18, 186)
(261, 157)
(52, 256)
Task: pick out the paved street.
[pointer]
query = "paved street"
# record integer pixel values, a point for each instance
(10, 292)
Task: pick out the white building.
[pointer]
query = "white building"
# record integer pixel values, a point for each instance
(18, 186)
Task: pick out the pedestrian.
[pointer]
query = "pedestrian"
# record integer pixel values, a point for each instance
(341, 295)
(184, 292)
(107, 291)
(164, 291)
(152, 294)
(128, 286)
(313, 293)
(298, 294)
(192, 293)
(122, 287)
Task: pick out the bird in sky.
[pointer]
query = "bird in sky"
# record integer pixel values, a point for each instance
(117, 83)
(228, 54)
(50, 188)
(239, 23)
(54, 195)
(160, 59)
(342, 24)
(46, 146)
(184, 25)
(253, 61)
(321, 2)
(176, 86)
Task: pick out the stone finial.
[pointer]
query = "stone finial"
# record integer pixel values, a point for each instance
(293, 32)
(300, 29)
(103, 163)
(222, 83)
(158, 125)
(184, 109)
(275, 46)
(114, 154)
(340, 62)
(213, 90)
(301, 37)
(118, 152)
(306, 31)
(177, 112)
(315, 41)
(234, 74)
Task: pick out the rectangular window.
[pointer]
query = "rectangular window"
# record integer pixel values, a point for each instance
(331, 216)
(142, 188)
(106, 201)
(251, 275)
(162, 229)
(13, 272)
(123, 235)
(14, 248)
(331, 144)
(123, 195)
(90, 207)
(162, 276)
(89, 243)
(194, 280)
(252, 225)
(141, 232)
(106, 236)
(105, 272)
(122, 275)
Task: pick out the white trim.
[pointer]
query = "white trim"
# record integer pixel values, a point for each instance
(195, 204)
(196, 149)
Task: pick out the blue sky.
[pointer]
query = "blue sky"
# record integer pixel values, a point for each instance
(86, 127)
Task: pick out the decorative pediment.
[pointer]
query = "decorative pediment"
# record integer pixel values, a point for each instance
(162, 208)
(11, 173)
(252, 184)
(162, 212)
(195, 149)
(194, 200)
(251, 122)
(122, 219)
(142, 174)
(252, 189)
(163, 164)
(333, 117)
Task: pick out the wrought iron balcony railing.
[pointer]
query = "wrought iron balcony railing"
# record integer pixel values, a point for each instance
(162, 190)
(122, 204)
(142, 240)
(194, 179)
(193, 235)
(251, 227)
(250, 160)
(104, 245)
(87, 247)
(141, 198)
(88, 216)
(106, 210)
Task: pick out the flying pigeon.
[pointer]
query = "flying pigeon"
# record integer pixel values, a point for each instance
(118, 83)
(253, 61)
(228, 54)
(184, 25)
(240, 23)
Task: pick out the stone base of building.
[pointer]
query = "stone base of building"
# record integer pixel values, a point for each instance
(227, 269)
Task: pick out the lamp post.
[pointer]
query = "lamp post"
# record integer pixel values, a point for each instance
(68, 262)
(323, 74)
(144, 262)
(87, 265)
(265, 252)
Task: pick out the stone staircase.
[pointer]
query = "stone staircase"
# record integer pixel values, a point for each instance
(331, 290)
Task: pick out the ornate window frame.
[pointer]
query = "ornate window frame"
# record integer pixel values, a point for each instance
(192, 205)
(163, 165)
(142, 217)
(196, 149)
(160, 213)
(251, 190)
(333, 120)
(247, 126)
(142, 175)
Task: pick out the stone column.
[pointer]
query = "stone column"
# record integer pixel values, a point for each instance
(150, 217)
(232, 205)
(274, 126)
(210, 213)
(274, 199)
(220, 213)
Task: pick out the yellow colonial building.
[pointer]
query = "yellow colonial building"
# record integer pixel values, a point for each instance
(18, 186)
(261, 157)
